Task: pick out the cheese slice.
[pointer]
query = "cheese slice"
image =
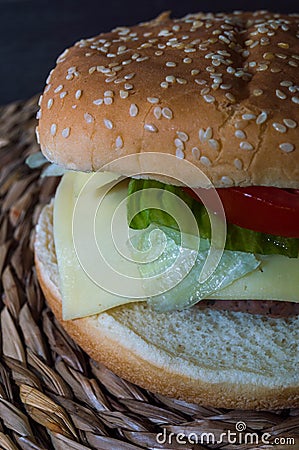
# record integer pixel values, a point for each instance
(95, 276)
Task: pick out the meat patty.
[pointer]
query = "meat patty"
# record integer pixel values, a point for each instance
(270, 308)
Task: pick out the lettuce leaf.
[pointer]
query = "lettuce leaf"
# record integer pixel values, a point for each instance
(179, 283)
(238, 238)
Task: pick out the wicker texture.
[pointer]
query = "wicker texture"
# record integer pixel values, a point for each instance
(52, 395)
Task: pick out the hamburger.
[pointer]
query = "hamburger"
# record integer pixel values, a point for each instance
(179, 108)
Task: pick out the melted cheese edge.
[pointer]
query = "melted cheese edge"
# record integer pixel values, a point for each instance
(277, 278)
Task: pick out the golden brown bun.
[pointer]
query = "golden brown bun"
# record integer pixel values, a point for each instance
(225, 87)
(184, 354)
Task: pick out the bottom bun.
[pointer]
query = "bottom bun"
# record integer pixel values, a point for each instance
(216, 358)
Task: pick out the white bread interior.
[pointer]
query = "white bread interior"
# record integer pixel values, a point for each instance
(218, 358)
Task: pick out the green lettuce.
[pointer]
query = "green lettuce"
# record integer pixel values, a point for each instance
(179, 282)
(237, 239)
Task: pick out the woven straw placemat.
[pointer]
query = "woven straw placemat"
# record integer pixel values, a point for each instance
(52, 395)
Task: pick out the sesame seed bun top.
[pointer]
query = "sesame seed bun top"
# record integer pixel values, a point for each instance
(218, 90)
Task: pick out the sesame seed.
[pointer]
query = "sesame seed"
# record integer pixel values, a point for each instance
(182, 136)
(128, 86)
(295, 100)
(150, 127)
(88, 118)
(78, 94)
(50, 103)
(225, 86)
(240, 134)
(268, 55)
(230, 70)
(61, 57)
(58, 89)
(40, 100)
(142, 58)
(123, 94)
(262, 118)
(209, 98)
(157, 112)
(38, 115)
(230, 97)
(108, 94)
(66, 132)
(129, 76)
(204, 91)
(170, 79)
(280, 94)
(248, 116)
(164, 84)
(290, 123)
(170, 64)
(49, 77)
(244, 145)
(37, 135)
(63, 94)
(100, 69)
(224, 39)
(153, 100)
(283, 45)
(279, 127)
(98, 102)
(187, 60)
(108, 100)
(179, 153)
(133, 110)
(214, 144)
(205, 161)
(108, 124)
(195, 152)
(287, 147)
(165, 33)
(201, 135)
(227, 181)
(109, 80)
(119, 142)
(179, 143)
(167, 113)
(238, 164)
(281, 55)
(275, 70)
(208, 133)
(200, 82)
(53, 129)
(257, 92)
(181, 81)
(286, 83)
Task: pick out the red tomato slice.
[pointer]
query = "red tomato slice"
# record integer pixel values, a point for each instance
(264, 209)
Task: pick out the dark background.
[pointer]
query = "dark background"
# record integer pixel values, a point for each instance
(34, 32)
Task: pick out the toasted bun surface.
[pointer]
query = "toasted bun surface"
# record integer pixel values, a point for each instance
(218, 358)
(218, 90)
